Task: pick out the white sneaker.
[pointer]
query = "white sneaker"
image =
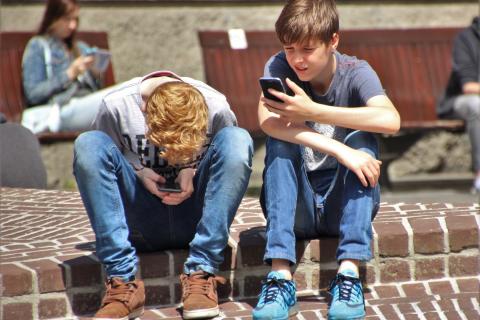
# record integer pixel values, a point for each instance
(53, 121)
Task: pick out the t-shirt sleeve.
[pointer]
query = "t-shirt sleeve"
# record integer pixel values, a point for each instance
(107, 122)
(223, 116)
(365, 83)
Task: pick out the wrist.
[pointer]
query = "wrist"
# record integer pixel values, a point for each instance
(71, 73)
(317, 110)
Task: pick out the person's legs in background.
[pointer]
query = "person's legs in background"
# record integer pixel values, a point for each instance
(79, 113)
(467, 107)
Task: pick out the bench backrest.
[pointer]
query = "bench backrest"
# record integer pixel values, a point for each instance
(413, 65)
(12, 45)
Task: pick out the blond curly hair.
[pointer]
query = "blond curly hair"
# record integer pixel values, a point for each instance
(177, 117)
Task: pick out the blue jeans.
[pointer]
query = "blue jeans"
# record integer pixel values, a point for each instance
(77, 115)
(333, 202)
(125, 216)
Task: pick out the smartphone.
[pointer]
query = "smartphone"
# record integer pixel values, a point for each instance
(169, 186)
(271, 83)
(101, 58)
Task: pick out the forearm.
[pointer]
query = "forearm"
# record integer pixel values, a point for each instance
(301, 134)
(380, 119)
(471, 88)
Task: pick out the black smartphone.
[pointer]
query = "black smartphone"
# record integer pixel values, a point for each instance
(169, 186)
(271, 83)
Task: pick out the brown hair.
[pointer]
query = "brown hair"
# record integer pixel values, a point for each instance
(303, 20)
(55, 10)
(177, 117)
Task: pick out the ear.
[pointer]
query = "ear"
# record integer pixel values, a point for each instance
(334, 41)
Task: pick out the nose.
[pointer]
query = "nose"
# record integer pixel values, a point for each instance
(297, 57)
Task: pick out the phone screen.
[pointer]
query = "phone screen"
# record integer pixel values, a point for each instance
(169, 186)
(271, 83)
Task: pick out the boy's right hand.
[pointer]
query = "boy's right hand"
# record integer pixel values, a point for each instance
(366, 167)
(150, 180)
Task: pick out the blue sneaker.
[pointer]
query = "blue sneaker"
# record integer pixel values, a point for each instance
(347, 297)
(277, 299)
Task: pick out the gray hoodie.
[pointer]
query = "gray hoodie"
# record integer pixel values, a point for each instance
(465, 66)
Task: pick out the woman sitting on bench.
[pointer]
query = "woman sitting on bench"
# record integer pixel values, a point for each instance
(61, 76)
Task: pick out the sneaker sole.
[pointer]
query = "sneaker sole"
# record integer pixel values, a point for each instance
(292, 312)
(134, 314)
(201, 313)
(357, 318)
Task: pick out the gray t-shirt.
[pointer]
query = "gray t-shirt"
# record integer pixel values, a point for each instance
(121, 118)
(353, 84)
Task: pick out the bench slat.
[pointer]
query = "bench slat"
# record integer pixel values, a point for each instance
(413, 65)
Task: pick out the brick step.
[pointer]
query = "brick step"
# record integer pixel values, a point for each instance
(49, 269)
(390, 303)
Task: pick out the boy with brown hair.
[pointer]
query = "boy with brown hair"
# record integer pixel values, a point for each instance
(321, 169)
(154, 129)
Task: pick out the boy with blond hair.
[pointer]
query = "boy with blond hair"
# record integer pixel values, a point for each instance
(156, 128)
(321, 169)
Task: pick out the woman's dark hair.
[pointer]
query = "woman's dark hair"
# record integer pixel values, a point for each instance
(55, 10)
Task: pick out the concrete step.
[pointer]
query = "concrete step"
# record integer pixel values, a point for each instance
(49, 268)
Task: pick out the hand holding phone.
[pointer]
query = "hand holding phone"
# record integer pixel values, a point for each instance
(169, 186)
(101, 58)
(271, 83)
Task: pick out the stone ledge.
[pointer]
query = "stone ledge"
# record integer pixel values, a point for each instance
(48, 254)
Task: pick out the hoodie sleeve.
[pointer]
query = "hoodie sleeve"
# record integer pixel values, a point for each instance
(466, 56)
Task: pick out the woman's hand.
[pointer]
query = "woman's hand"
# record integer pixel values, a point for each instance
(185, 180)
(79, 66)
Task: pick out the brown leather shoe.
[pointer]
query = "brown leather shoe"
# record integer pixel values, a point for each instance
(199, 295)
(123, 300)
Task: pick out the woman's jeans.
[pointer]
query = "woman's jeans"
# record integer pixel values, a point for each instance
(125, 216)
(77, 115)
(326, 202)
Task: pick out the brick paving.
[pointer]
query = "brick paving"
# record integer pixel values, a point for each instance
(425, 262)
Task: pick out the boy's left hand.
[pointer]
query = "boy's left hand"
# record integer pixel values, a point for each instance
(185, 180)
(296, 108)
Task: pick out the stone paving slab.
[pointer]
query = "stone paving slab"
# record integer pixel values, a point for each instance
(49, 269)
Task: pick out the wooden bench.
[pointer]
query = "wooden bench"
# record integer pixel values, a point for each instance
(413, 65)
(12, 103)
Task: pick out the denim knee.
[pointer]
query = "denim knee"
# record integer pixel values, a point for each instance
(282, 149)
(88, 149)
(235, 146)
(364, 141)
